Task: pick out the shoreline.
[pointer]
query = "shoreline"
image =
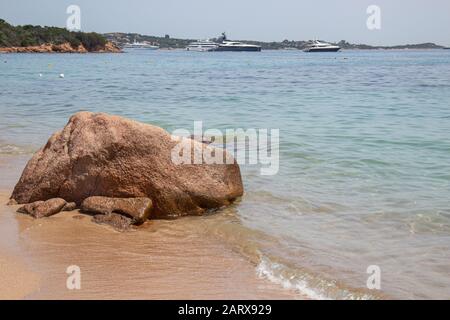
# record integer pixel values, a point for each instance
(163, 259)
(109, 47)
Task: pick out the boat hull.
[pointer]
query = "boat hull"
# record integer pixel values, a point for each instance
(237, 48)
(200, 49)
(142, 48)
(322, 50)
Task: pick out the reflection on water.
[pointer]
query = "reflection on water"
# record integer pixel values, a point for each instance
(364, 155)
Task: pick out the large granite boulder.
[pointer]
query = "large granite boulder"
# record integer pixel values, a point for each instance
(97, 154)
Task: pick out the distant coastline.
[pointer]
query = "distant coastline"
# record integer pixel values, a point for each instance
(166, 42)
(39, 39)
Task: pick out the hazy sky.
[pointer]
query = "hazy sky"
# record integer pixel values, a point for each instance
(403, 21)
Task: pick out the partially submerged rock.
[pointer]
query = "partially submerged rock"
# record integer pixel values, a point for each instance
(115, 220)
(103, 155)
(138, 209)
(40, 209)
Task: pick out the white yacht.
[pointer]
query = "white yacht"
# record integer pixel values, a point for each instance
(320, 46)
(141, 45)
(202, 45)
(227, 45)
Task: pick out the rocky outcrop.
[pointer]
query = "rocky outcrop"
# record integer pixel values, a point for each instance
(109, 47)
(103, 155)
(59, 48)
(138, 209)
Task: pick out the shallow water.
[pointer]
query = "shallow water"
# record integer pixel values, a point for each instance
(364, 151)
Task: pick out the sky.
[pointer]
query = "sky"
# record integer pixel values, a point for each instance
(402, 21)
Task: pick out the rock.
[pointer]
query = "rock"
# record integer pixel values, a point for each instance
(30, 208)
(138, 209)
(117, 221)
(103, 155)
(40, 209)
(12, 202)
(61, 48)
(69, 206)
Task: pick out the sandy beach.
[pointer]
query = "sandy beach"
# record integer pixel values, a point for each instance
(163, 259)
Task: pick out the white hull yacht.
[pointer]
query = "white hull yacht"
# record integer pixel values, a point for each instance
(320, 46)
(202, 46)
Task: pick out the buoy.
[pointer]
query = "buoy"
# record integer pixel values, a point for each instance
(61, 75)
(40, 74)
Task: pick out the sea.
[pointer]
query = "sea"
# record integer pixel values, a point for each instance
(359, 207)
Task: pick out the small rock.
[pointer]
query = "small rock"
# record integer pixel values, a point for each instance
(69, 206)
(138, 209)
(117, 221)
(30, 208)
(40, 209)
(12, 202)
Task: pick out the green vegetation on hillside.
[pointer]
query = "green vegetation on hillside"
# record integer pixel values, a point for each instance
(28, 35)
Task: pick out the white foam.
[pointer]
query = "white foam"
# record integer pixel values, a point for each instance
(281, 275)
(10, 149)
(266, 270)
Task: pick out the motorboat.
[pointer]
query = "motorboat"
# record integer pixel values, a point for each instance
(320, 46)
(227, 45)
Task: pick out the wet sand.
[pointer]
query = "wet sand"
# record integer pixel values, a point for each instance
(160, 260)
(16, 279)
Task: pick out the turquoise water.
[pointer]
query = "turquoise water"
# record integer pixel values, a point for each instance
(364, 173)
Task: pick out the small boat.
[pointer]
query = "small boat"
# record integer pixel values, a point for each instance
(141, 45)
(320, 46)
(202, 46)
(227, 45)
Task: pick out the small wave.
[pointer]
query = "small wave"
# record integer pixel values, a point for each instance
(267, 270)
(11, 149)
(306, 285)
